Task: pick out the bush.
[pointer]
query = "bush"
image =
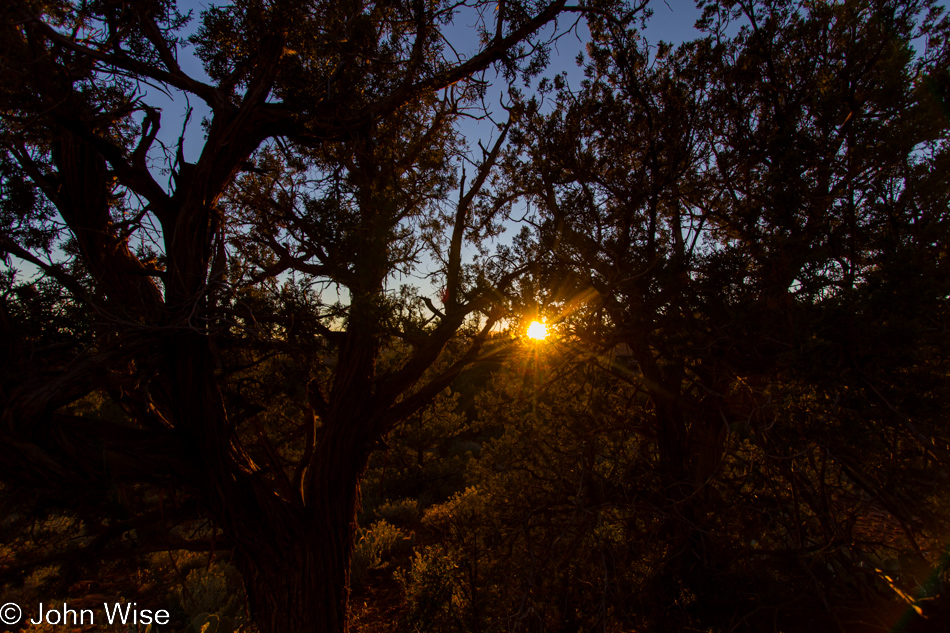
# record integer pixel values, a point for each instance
(404, 512)
(213, 600)
(432, 593)
(373, 545)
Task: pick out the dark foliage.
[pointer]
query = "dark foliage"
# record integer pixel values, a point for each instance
(226, 387)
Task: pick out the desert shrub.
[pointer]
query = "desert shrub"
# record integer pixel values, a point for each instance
(404, 512)
(213, 600)
(373, 545)
(433, 597)
(546, 536)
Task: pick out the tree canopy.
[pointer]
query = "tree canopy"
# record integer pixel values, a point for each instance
(291, 348)
(194, 306)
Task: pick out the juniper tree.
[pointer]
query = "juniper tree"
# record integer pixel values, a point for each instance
(163, 284)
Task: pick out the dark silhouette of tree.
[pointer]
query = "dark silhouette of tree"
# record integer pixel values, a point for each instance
(759, 219)
(193, 308)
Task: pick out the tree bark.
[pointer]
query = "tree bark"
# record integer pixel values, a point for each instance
(298, 581)
(296, 562)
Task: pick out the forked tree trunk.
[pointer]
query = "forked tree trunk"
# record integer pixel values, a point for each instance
(292, 547)
(296, 567)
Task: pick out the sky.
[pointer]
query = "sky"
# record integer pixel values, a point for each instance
(672, 21)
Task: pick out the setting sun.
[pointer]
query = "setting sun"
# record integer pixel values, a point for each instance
(538, 331)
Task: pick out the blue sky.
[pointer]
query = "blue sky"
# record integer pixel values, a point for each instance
(672, 21)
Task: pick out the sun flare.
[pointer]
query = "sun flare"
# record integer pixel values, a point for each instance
(538, 331)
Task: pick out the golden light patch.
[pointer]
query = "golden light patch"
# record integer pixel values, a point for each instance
(538, 331)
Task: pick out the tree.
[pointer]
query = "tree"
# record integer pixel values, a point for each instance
(193, 308)
(756, 217)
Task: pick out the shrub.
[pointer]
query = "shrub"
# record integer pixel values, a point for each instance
(404, 512)
(213, 600)
(373, 545)
(434, 600)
